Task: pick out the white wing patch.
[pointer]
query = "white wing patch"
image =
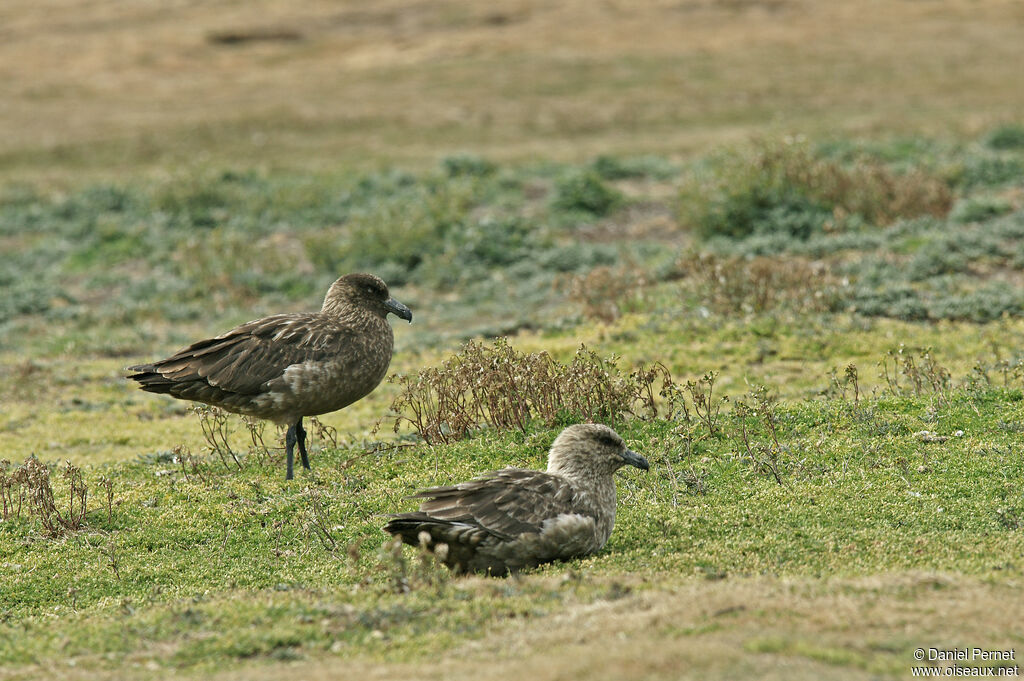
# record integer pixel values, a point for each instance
(565, 536)
(305, 376)
(573, 534)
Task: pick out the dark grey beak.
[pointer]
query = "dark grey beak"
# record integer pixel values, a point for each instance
(634, 459)
(400, 310)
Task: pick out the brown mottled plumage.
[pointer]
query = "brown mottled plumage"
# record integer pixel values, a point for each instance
(287, 366)
(510, 519)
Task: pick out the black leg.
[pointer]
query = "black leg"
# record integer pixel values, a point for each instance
(300, 432)
(289, 446)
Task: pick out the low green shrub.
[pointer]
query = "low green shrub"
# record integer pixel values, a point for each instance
(987, 303)
(494, 242)
(900, 301)
(472, 165)
(616, 168)
(937, 258)
(980, 209)
(401, 234)
(1006, 137)
(576, 256)
(764, 211)
(585, 192)
(783, 188)
(987, 171)
(26, 298)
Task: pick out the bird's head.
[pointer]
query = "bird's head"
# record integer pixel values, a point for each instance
(589, 449)
(364, 291)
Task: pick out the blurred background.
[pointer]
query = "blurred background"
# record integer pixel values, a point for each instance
(98, 88)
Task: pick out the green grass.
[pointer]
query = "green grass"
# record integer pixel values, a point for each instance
(196, 571)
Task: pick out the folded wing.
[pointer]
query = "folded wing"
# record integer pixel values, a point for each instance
(243, 360)
(505, 503)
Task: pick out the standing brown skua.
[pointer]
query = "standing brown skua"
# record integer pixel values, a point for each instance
(287, 366)
(510, 519)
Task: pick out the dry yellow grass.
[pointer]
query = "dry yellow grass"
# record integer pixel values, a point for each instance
(763, 628)
(109, 87)
(759, 627)
(738, 628)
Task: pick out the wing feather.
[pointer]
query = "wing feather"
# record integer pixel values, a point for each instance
(244, 359)
(505, 503)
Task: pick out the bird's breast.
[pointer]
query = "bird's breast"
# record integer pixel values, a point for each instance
(335, 379)
(597, 500)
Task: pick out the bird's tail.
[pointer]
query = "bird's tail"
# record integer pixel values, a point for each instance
(410, 527)
(150, 379)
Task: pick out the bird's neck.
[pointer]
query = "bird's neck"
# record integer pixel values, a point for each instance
(595, 496)
(367, 325)
(352, 316)
(595, 493)
(582, 474)
(335, 307)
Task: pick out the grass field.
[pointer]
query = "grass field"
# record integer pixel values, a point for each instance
(106, 89)
(807, 218)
